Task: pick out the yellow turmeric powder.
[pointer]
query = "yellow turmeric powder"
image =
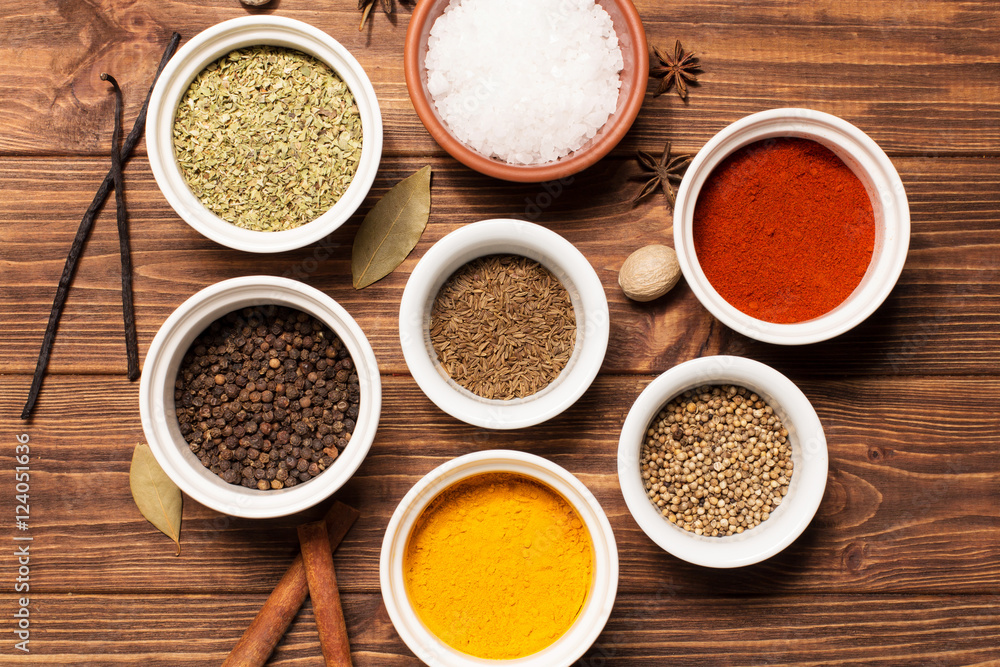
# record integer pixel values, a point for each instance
(498, 566)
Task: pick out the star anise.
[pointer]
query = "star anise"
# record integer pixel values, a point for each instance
(666, 170)
(675, 71)
(388, 6)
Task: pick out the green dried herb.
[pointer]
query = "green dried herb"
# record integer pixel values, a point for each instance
(156, 496)
(391, 229)
(268, 138)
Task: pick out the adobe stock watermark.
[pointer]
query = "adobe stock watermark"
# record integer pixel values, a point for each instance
(610, 643)
(22, 541)
(551, 191)
(305, 268)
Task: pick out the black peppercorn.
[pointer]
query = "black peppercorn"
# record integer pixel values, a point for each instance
(261, 392)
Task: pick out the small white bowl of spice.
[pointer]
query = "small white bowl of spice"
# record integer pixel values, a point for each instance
(260, 396)
(264, 134)
(722, 461)
(499, 557)
(503, 324)
(791, 226)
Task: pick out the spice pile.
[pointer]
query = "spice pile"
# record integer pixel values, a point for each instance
(268, 138)
(503, 327)
(716, 461)
(267, 397)
(784, 230)
(498, 566)
(526, 81)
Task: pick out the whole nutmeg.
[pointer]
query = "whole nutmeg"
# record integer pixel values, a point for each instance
(255, 3)
(649, 273)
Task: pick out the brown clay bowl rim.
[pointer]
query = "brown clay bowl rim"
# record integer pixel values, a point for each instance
(617, 125)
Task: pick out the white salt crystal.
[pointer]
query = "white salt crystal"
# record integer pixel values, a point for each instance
(526, 81)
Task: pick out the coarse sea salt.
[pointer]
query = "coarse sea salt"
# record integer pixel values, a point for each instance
(525, 81)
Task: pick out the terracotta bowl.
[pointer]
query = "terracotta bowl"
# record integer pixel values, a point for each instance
(631, 38)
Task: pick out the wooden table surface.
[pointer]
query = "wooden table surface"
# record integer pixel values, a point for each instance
(901, 566)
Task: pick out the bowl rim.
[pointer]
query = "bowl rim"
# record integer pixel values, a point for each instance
(809, 451)
(211, 44)
(601, 597)
(504, 236)
(561, 168)
(156, 406)
(859, 152)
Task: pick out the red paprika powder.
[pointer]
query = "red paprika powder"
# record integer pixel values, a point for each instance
(784, 230)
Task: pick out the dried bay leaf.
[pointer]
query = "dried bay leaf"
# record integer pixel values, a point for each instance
(391, 229)
(156, 496)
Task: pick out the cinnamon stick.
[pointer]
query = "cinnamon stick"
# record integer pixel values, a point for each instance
(318, 560)
(273, 619)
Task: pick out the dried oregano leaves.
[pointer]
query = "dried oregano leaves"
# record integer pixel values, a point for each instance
(391, 229)
(156, 496)
(268, 138)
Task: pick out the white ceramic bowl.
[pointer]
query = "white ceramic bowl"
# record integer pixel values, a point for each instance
(868, 162)
(809, 456)
(490, 237)
(159, 418)
(565, 650)
(215, 42)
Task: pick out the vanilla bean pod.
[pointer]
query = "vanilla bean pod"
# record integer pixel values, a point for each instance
(128, 308)
(81, 236)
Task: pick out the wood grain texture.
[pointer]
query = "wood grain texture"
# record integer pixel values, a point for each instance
(884, 631)
(901, 565)
(905, 488)
(920, 77)
(940, 319)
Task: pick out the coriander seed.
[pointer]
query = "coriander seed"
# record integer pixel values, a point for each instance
(716, 461)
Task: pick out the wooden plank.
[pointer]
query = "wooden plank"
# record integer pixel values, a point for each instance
(941, 318)
(794, 630)
(911, 502)
(643, 629)
(182, 630)
(900, 565)
(918, 78)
